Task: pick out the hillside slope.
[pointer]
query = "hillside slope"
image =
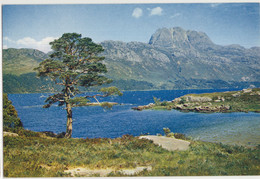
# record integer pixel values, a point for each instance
(21, 61)
(174, 58)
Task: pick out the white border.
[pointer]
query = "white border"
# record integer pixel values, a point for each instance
(21, 2)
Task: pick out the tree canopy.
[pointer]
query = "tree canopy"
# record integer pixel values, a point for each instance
(75, 62)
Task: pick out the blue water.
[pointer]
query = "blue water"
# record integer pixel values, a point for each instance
(94, 121)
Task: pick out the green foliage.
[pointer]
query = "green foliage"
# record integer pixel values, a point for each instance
(182, 101)
(10, 117)
(166, 131)
(79, 101)
(171, 134)
(181, 136)
(157, 101)
(109, 91)
(28, 133)
(164, 103)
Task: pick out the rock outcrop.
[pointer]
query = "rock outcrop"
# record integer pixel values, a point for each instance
(11, 134)
(197, 99)
(237, 101)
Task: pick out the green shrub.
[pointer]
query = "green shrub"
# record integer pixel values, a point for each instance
(10, 117)
(166, 131)
(28, 133)
(171, 134)
(182, 101)
(157, 101)
(180, 136)
(164, 103)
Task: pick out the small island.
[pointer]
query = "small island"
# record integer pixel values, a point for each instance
(246, 100)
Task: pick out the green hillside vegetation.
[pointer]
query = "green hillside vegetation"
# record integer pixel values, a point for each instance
(32, 154)
(132, 84)
(21, 61)
(27, 83)
(18, 73)
(247, 100)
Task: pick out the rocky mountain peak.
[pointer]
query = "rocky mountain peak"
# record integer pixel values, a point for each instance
(199, 40)
(168, 38)
(174, 38)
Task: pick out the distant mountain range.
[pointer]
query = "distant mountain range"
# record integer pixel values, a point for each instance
(173, 59)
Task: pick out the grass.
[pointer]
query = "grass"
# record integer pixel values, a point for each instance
(33, 155)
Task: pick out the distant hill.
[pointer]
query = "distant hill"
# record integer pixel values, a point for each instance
(173, 59)
(21, 61)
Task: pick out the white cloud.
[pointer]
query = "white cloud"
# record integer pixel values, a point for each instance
(155, 11)
(28, 42)
(175, 15)
(47, 40)
(138, 12)
(8, 39)
(5, 47)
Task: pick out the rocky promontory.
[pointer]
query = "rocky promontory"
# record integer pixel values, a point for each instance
(246, 100)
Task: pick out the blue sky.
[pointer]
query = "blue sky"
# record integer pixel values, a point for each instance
(34, 26)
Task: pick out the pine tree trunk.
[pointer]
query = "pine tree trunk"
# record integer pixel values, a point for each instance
(69, 121)
(69, 111)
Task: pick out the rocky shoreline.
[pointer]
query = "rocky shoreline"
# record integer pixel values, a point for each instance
(245, 100)
(190, 107)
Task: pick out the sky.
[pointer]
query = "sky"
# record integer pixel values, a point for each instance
(34, 26)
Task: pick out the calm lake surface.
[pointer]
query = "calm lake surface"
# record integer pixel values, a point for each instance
(94, 121)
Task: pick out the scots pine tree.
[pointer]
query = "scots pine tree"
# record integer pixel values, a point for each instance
(75, 62)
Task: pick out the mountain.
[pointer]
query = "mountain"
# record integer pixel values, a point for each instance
(21, 61)
(174, 58)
